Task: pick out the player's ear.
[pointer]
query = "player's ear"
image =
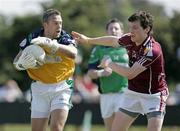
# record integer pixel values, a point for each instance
(44, 24)
(147, 30)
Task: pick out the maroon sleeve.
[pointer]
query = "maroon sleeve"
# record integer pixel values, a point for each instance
(125, 40)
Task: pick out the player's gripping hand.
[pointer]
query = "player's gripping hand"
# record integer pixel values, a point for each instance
(105, 62)
(25, 61)
(107, 71)
(46, 42)
(104, 72)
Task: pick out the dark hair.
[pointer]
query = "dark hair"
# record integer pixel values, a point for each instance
(145, 19)
(48, 13)
(115, 20)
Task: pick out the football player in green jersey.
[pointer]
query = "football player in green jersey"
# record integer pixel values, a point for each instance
(111, 84)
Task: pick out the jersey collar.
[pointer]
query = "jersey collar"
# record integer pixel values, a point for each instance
(146, 40)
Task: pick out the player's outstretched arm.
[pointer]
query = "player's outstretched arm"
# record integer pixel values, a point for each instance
(104, 40)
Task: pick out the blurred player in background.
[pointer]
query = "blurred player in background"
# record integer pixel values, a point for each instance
(111, 84)
(147, 88)
(52, 86)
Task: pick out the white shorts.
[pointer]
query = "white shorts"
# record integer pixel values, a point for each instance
(143, 103)
(110, 103)
(48, 97)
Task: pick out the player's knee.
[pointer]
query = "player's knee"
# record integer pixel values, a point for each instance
(56, 128)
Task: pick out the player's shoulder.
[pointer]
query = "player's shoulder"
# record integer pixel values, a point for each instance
(126, 36)
(66, 39)
(156, 46)
(65, 34)
(37, 32)
(152, 48)
(125, 40)
(27, 40)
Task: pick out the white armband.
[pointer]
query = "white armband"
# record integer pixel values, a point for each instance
(100, 73)
(54, 47)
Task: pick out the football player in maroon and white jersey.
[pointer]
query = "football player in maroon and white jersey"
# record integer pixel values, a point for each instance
(147, 91)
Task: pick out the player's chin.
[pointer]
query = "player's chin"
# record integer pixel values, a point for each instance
(57, 35)
(133, 39)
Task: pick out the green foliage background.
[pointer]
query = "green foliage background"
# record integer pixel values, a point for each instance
(89, 17)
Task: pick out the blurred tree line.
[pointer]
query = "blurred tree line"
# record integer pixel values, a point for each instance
(88, 17)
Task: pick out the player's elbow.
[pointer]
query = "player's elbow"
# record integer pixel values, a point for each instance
(73, 54)
(131, 76)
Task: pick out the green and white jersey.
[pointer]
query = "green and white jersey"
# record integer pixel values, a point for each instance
(114, 82)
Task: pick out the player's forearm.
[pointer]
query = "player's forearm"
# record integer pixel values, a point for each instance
(105, 40)
(69, 51)
(121, 70)
(94, 74)
(126, 71)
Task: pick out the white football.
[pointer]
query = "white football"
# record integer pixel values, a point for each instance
(38, 52)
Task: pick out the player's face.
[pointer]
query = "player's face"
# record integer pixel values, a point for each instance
(138, 34)
(114, 29)
(54, 26)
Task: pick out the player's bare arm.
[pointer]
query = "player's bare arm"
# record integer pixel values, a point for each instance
(129, 72)
(68, 50)
(54, 47)
(104, 40)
